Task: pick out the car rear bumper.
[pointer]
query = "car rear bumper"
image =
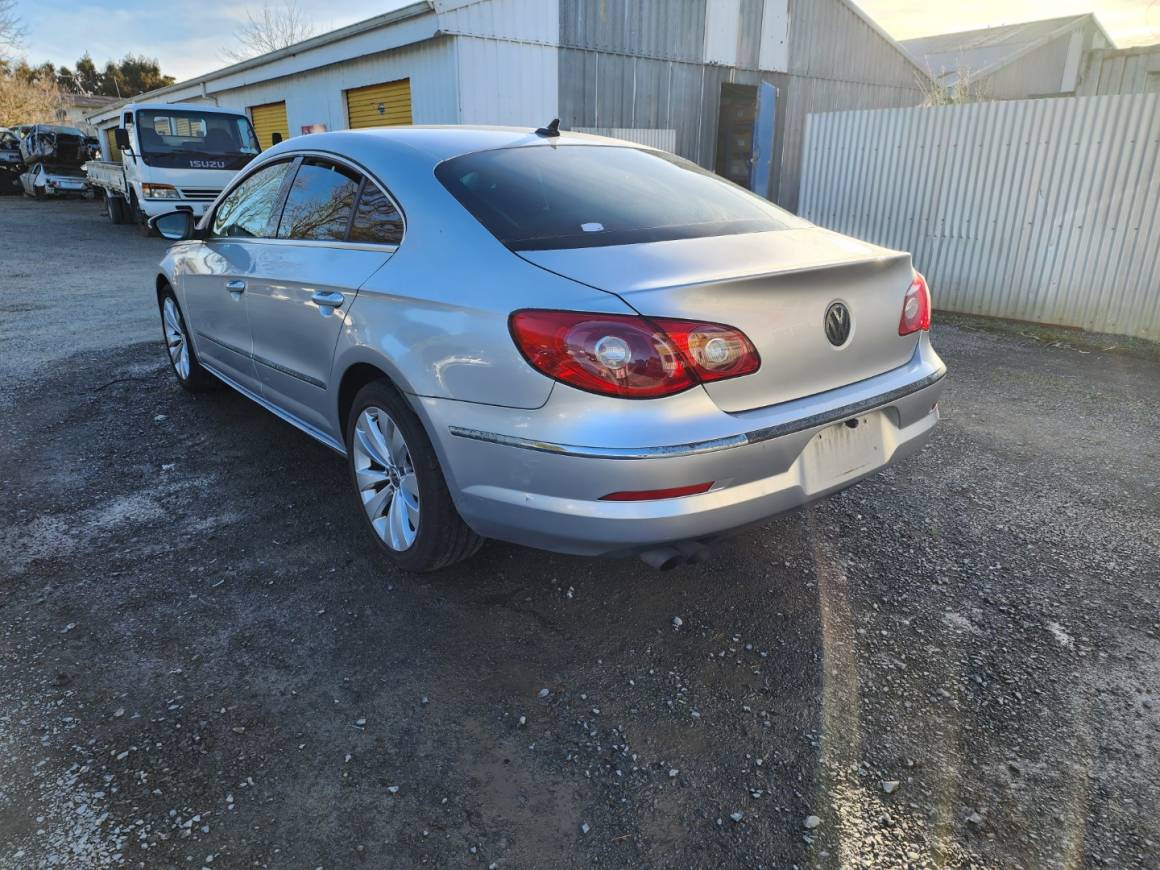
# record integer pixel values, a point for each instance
(546, 491)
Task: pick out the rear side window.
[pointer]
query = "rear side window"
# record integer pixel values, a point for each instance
(247, 210)
(578, 196)
(376, 219)
(320, 202)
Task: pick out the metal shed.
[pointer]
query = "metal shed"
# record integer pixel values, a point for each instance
(1030, 59)
(726, 83)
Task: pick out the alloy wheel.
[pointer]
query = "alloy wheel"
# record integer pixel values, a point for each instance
(386, 478)
(175, 340)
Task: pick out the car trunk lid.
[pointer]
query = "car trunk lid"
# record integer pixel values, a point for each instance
(776, 287)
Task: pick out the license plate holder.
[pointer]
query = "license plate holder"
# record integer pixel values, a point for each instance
(843, 451)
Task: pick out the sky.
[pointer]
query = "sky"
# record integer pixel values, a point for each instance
(188, 37)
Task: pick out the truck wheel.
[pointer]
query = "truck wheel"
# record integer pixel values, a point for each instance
(138, 216)
(115, 208)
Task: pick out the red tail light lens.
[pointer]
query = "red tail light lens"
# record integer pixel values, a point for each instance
(658, 494)
(629, 356)
(915, 307)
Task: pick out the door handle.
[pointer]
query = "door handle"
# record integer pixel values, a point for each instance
(235, 286)
(329, 298)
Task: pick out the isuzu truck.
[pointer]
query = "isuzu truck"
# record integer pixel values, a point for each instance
(163, 157)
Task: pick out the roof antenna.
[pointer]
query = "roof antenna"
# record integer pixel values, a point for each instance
(551, 131)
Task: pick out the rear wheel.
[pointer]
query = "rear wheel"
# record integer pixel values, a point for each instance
(400, 488)
(182, 356)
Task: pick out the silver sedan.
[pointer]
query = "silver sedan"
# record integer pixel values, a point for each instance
(564, 341)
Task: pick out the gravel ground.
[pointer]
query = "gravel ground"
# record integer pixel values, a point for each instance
(204, 663)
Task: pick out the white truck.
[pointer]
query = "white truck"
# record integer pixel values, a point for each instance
(163, 157)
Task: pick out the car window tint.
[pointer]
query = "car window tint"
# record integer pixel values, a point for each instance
(376, 219)
(247, 210)
(319, 203)
(575, 196)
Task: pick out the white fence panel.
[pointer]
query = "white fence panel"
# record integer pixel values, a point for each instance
(1041, 210)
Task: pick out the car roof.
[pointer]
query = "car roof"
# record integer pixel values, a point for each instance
(56, 128)
(438, 143)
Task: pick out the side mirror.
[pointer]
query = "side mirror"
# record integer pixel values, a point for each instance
(176, 226)
(121, 136)
(275, 138)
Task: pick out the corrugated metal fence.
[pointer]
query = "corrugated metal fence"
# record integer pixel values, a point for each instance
(1041, 210)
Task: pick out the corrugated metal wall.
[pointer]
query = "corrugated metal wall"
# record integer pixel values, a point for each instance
(506, 82)
(665, 140)
(1039, 210)
(640, 64)
(1128, 71)
(1038, 73)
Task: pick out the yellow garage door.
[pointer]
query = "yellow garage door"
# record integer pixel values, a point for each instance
(385, 105)
(269, 119)
(111, 143)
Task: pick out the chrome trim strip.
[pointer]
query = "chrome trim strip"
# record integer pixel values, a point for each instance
(306, 379)
(314, 382)
(700, 447)
(247, 354)
(313, 432)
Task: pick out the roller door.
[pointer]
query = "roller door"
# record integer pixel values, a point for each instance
(385, 105)
(269, 119)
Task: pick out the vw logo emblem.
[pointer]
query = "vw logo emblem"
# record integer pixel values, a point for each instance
(838, 323)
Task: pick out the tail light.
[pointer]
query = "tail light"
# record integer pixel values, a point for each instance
(630, 356)
(915, 307)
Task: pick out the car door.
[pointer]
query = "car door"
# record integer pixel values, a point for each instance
(217, 279)
(306, 278)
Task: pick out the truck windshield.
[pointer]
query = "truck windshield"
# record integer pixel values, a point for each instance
(195, 140)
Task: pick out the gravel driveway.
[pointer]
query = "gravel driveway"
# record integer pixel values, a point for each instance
(204, 663)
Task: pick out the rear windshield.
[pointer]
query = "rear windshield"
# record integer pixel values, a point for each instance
(581, 196)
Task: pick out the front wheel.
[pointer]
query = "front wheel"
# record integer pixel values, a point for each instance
(115, 208)
(400, 487)
(182, 357)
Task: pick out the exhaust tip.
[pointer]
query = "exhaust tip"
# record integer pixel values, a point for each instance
(669, 557)
(663, 558)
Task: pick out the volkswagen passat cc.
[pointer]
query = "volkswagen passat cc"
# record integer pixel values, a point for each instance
(564, 341)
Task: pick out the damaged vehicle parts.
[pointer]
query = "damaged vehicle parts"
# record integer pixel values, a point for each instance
(53, 158)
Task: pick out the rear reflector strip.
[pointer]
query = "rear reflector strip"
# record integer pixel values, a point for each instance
(657, 494)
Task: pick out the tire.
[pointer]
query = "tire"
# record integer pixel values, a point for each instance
(186, 366)
(115, 209)
(138, 216)
(438, 538)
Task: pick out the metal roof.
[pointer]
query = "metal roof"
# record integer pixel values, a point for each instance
(979, 53)
(421, 7)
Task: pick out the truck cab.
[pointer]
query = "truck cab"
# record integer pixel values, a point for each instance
(163, 157)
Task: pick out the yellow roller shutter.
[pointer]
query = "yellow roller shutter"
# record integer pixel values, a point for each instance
(111, 142)
(385, 105)
(269, 119)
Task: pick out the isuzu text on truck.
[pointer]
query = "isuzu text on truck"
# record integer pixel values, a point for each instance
(163, 157)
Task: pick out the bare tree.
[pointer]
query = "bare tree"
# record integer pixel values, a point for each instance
(276, 25)
(28, 101)
(11, 28)
(963, 88)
